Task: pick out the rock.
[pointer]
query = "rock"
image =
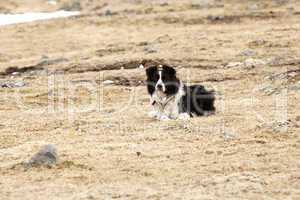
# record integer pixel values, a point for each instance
(150, 50)
(108, 82)
(228, 135)
(46, 156)
(12, 85)
(15, 73)
(234, 64)
(269, 90)
(251, 63)
(215, 18)
(248, 63)
(143, 44)
(295, 87)
(108, 13)
(19, 84)
(247, 53)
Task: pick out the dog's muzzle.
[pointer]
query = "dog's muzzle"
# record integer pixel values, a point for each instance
(159, 87)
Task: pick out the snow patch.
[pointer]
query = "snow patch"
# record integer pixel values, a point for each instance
(6, 19)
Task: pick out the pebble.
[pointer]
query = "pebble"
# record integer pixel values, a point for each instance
(251, 63)
(269, 90)
(12, 85)
(150, 50)
(15, 73)
(229, 135)
(248, 53)
(248, 63)
(215, 18)
(46, 156)
(108, 13)
(234, 64)
(108, 82)
(295, 87)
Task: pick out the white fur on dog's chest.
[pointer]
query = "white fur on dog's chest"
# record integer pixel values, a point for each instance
(165, 107)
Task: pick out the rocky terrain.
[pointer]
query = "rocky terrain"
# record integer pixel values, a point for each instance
(75, 83)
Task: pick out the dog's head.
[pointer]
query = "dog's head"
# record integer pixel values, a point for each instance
(162, 78)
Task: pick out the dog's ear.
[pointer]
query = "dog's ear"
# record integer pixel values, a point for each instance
(170, 70)
(150, 71)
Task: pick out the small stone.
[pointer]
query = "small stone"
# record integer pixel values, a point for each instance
(229, 135)
(47, 156)
(234, 64)
(251, 63)
(19, 84)
(15, 73)
(12, 85)
(150, 50)
(108, 82)
(269, 89)
(138, 153)
(108, 13)
(215, 18)
(295, 87)
(247, 53)
(143, 44)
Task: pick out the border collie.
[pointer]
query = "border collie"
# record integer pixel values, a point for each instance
(171, 99)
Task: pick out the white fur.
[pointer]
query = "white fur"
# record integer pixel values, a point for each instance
(166, 108)
(160, 82)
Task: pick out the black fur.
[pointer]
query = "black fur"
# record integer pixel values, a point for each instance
(197, 100)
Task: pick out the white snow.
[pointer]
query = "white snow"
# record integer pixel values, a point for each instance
(52, 2)
(6, 19)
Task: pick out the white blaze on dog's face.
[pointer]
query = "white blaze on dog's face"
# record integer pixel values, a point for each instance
(160, 85)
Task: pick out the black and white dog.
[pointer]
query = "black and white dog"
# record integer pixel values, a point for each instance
(171, 99)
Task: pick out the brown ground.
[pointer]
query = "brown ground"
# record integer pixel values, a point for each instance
(249, 150)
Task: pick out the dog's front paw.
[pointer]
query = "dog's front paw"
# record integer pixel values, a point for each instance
(164, 118)
(184, 116)
(153, 114)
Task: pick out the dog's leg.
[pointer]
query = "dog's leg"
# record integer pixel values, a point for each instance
(164, 118)
(154, 114)
(184, 116)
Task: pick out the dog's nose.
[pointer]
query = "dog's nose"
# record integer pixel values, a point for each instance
(160, 87)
